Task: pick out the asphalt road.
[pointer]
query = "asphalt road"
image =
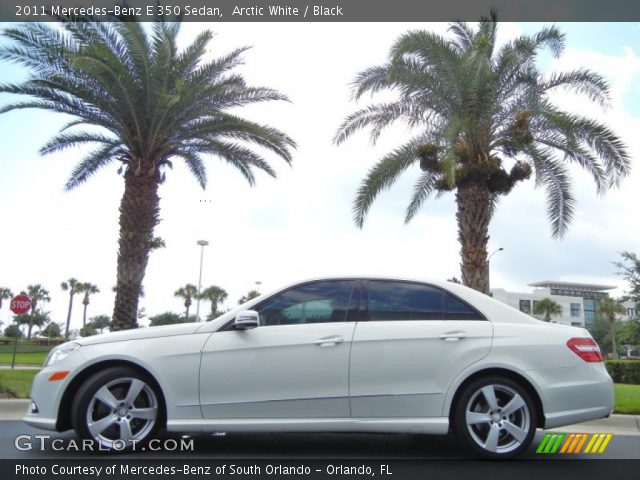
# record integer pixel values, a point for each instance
(290, 446)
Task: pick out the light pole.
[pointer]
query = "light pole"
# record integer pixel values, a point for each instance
(202, 243)
(488, 292)
(258, 283)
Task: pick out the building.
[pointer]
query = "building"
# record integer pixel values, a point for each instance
(578, 300)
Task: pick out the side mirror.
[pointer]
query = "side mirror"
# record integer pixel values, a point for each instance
(246, 320)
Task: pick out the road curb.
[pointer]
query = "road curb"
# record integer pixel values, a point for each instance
(20, 366)
(13, 408)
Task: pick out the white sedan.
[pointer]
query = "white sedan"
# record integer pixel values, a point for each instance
(333, 355)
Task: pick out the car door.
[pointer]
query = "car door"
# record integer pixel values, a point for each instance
(414, 340)
(294, 365)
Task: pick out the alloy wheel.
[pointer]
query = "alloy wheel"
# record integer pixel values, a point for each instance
(497, 418)
(122, 412)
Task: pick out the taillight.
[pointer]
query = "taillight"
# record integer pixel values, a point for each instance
(586, 348)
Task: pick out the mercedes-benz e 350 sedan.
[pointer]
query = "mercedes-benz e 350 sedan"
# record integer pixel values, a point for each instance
(333, 355)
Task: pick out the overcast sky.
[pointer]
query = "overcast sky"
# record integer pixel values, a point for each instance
(299, 225)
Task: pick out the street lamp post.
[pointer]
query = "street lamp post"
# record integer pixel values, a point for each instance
(488, 292)
(202, 243)
(258, 283)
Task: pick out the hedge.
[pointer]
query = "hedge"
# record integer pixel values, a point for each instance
(624, 371)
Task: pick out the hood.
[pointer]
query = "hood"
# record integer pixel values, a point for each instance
(141, 333)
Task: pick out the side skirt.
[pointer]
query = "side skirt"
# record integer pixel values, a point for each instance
(431, 425)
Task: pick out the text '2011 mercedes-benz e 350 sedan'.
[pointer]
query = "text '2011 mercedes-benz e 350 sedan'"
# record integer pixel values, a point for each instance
(333, 355)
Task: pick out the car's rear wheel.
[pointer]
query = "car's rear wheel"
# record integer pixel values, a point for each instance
(495, 417)
(117, 408)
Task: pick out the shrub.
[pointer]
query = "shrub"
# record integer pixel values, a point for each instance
(624, 371)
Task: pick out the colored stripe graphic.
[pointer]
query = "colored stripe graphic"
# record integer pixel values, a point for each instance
(550, 443)
(572, 443)
(607, 439)
(581, 443)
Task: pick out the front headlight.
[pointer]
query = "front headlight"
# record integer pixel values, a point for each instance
(60, 352)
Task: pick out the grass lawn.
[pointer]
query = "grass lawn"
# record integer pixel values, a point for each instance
(627, 399)
(25, 358)
(16, 383)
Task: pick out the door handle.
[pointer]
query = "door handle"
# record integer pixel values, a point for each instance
(331, 341)
(452, 336)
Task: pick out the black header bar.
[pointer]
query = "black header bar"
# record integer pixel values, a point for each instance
(330, 10)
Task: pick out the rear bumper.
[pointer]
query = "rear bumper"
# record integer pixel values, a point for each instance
(560, 419)
(574, 395)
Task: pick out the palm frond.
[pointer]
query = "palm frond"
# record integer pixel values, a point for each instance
(424, 187)
(90, 165)
(585, 82)
(63, 141)
(555, 178)
(196, 167)
(382, 176)
(379, 116)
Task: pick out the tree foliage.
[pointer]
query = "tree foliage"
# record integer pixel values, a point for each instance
(51, 330)
(251, 294)
(169, 318)
(216, 295)
(5, 294)
(13, 330)
(610, 309)
(547, 308)
(100, 322)
(187, 293)
(629, 268)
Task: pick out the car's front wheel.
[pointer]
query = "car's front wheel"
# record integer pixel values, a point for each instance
(117, 408)
(495, 417)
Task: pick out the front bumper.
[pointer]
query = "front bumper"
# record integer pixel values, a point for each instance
(46, 395)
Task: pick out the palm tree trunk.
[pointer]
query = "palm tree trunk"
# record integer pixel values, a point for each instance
(30, 324)
(139, 211)
(187, 312)
(84, 316)
(614, 345)
(473, 234)
(66, 330)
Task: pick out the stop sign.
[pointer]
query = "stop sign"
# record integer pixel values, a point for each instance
(20, 304)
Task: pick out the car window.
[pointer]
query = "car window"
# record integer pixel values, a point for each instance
(317, 302)
(404, 301)
(456, 309)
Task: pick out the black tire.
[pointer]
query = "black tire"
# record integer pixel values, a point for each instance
(489, 430)
(108, 399)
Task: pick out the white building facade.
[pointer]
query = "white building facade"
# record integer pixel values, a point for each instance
(577, 300)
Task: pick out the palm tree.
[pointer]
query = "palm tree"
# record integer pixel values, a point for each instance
(484, 122)
(73, 286)
(37, 293)
(215, 295)
(188, 293)
(547, 308)
(608, 308)
(100, 322)
(153, 104)
(5, 294)
(88, 289)
(251, 294)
